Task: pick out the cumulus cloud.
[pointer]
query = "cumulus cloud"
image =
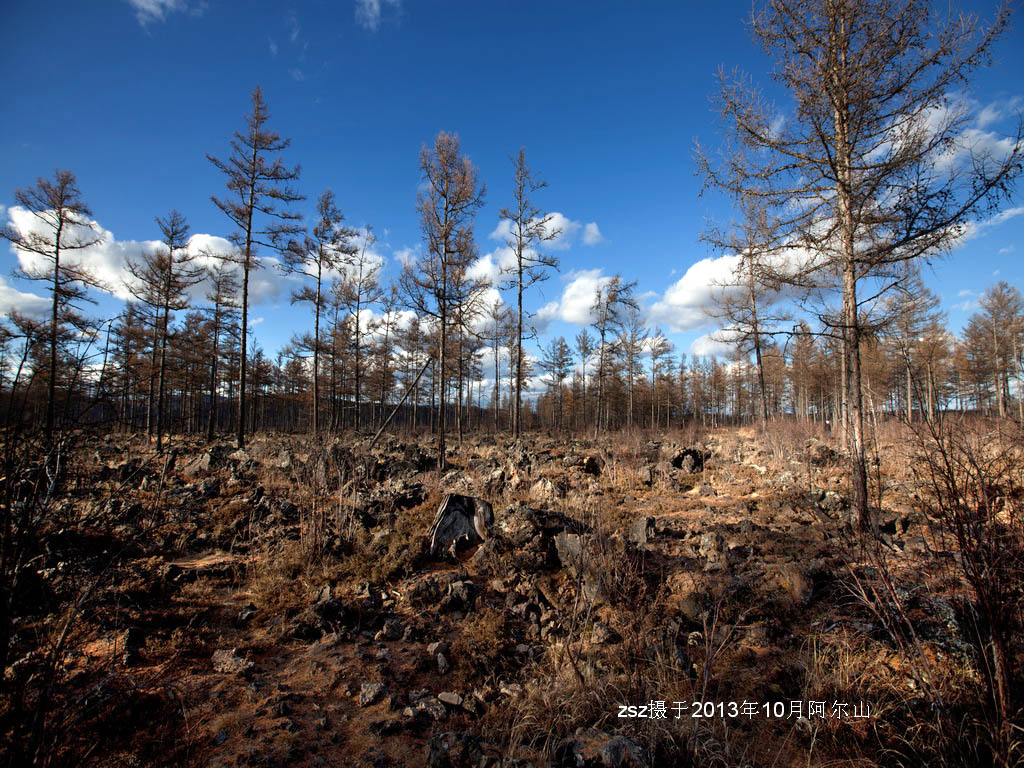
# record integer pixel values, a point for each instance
(685, 303)
(490, 266)
(108, 259)
(711, 344)
(28, 304)
(975, 228)
(368, 12)
(568, 232)
(976, 145)
(576, 303)
(591, 234)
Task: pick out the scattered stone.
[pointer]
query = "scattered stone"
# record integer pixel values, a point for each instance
(596, 749)
(450, 698)
(461, 597)
(220, 738)
(370, 693)
(641, 529)
(455, 750)
(690, 460)
(512, 690)
(793, 583)
(209, 489)
(459, 519)
(432, 707)
(546, 490)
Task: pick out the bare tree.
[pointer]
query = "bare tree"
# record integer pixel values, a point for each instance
(222, 314)
(64, 226)
(585, 347)
(659, 348)
(324, 250)
(557, 363)
(632, 337)
(612, 300)
(362, 288)
(913, 308)
(259, 188)
(497, 316)
(743, 303)
(873, 167)
(160, 279)
(529, 228)
(447, 203)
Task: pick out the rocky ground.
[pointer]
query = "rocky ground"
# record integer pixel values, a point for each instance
(302, 602)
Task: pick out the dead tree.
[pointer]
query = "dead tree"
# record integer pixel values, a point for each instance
(61, 226)
(259, 189)
(529, 229)
(448, 201)
(874, 166)
(320, 253)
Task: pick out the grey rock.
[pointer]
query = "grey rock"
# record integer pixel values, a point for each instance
(370, 693)
(459, 519)
(450, 698)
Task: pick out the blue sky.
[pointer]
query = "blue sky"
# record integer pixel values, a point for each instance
(607, 98)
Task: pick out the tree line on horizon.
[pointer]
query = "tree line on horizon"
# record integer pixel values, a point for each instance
(865, 184)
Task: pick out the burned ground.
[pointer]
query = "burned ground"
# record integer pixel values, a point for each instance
(280, 605)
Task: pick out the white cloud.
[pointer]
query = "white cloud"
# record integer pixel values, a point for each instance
(405, 256)
(568, 232)
(591, 234)
(967, 306)
(107, 260)
(997, 110)
(576, 303)
(29, 304)
(368, 12)
(976, 145)
(490, 266)
(711, 344)
(685, 303)
(148, 11)
(974, 228)
(272, 46)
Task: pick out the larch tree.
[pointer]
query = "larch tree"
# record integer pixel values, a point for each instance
(259, 191)
(612, 300)
(529, 229)
(496, 315)
(632, 339)
(317, 256)
(222, 318)
(585, 347)
(362, 289)
(997, 327)
(744, 303)
(913, 308)
(449, 198)
(556, 362)
(160, 279)
(61, 227)
(874, 165)
(660, 349)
